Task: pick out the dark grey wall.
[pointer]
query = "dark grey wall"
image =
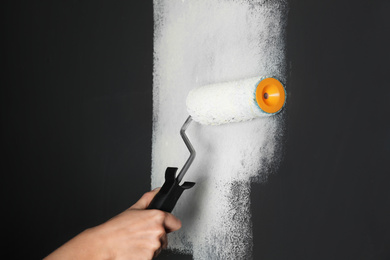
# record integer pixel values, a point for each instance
(76, 118)
(331, 199)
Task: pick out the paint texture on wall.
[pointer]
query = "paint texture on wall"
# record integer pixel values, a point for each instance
(205, 42)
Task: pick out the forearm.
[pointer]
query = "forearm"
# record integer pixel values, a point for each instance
(137, 233)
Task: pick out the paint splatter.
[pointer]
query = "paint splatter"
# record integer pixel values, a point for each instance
(204, 42)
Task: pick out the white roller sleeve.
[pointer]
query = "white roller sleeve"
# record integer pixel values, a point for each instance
(223, 103)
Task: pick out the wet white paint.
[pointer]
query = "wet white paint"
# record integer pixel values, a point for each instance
(202, 42)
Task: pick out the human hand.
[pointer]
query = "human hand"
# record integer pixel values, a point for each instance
(136, 233)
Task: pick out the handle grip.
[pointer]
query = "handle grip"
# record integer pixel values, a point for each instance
(170, 192)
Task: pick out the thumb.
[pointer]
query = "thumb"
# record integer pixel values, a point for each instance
(145, 200)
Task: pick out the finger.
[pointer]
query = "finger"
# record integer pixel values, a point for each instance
(171, 223)
(145, 200)
(164, 244)
(157, 252)
(164, 241)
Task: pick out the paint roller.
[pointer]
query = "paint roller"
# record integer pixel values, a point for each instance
(218, 104)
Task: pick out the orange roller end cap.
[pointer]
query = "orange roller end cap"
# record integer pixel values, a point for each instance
(270, 95)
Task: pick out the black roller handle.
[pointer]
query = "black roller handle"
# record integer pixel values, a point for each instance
(170, 192)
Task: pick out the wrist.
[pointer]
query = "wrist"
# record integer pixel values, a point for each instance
(97, 244)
